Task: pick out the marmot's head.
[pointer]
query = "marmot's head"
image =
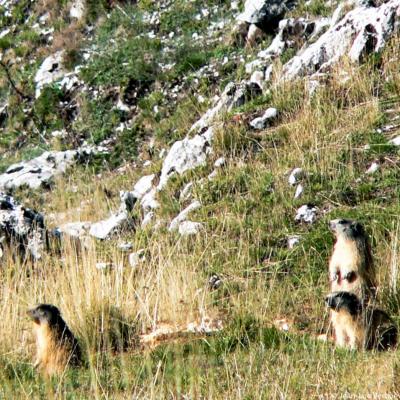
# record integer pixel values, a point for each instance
(45, 314)
(347, 228)
(344, 301)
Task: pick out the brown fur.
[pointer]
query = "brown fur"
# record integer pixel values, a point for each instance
(357, 327)
(351, 267)
(57, 347)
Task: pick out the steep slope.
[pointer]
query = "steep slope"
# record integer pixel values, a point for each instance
(185, 158)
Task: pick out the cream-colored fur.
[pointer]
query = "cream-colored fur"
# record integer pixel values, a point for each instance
(52, 356)
(350, 267)
(348, 331)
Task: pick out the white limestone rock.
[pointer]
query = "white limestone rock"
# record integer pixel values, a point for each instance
(147, 219)
(220, 162)
(186, 192)
(149, 201)
(75, 229)
(362, 30)
(306, 213)
(265, 13)
(143, 186)
(22, 230)
(293, 241)
(50, 71)
(103, 229)
(125, 246)
(373, 168)
(234, 95)
(184, 155)
(299, 191)
(182, 216)
(77, 9)
(189, 228)
(38, 171)
(296, 176)
(262, 122)
(136, 258)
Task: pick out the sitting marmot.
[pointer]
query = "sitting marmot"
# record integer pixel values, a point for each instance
(359, 327)
(350, 267)
(56, 345)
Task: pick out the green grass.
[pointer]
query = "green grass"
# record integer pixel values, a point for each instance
(247, 210)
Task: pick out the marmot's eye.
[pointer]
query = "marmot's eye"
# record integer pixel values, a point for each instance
(341, 221)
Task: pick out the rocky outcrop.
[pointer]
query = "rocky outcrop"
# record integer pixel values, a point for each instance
(41, 170)
(38, 171)
(186, 154)
(50, 71)
(234, 95)
(360, 32)
(265, 14)
(22, 229)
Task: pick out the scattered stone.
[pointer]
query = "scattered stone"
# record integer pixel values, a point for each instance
(149, 201)
(59, 134)
(77, 9)
(136, 258)
(254, 33)
(395, 141)
(213, 175)
(75, 229)
(214, 282)
(372, 168)
(103, 266)
(296, 176)
(299, 191)
(283, 324)
(186, 192)
(234, 95)
(182, 216)
(147, 219)
(220, 162)
(258, 78)
(104, 229)
(188, 228)
(293, 241)
(262, 122)
(306, 213)
(125, 246)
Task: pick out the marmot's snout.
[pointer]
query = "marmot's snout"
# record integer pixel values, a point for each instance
(32, 314)
(332, 225)
(330, 301)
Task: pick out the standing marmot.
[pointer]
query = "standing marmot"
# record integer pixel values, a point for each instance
(359, 327)
(350, 267)
(56, 345)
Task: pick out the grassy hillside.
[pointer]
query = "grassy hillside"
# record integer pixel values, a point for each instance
(248, 210)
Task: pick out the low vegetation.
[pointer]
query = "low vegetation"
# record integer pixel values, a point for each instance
(248, 211)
